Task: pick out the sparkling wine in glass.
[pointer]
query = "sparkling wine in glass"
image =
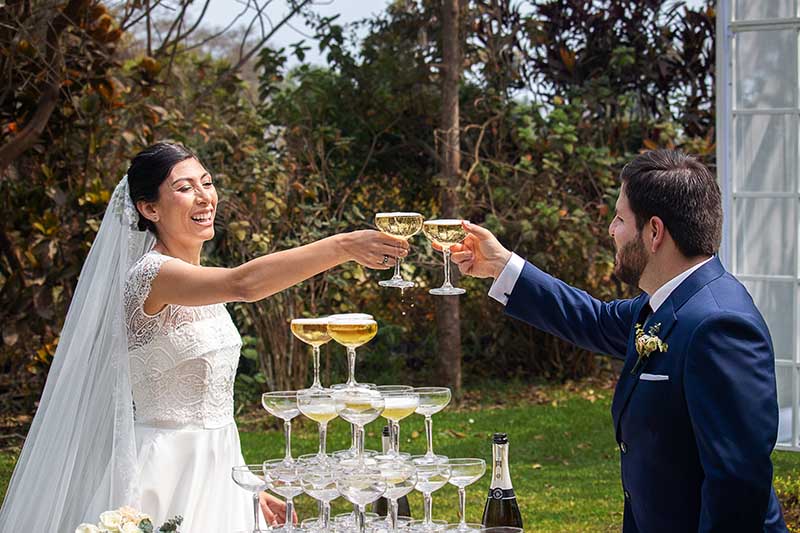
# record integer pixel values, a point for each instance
(352, 331)
(403, 226)
(430, 478)
(283, 404)
(313, 331)
(400, 402)
(285, 480)
(431, 401)
(361, 487)
(252, 478)
(445, 233)
(359, 407)
(465, 472)
(319, 406)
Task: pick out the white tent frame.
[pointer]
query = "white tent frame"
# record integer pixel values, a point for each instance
(728, 28)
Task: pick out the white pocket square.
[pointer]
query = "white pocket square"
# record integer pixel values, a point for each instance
(654, 377)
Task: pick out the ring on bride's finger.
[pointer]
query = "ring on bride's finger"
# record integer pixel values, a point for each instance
(385, 259)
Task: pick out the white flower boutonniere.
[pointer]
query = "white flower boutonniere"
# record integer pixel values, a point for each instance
(647, 343)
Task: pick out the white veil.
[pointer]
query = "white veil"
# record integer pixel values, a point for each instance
(79, 458)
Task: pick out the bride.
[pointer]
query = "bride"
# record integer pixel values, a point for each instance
(138, 405)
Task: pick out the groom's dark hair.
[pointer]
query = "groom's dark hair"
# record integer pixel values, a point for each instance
(148, 170)
(682, 192)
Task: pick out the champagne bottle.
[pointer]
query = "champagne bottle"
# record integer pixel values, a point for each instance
(501, 504)
(381, 505)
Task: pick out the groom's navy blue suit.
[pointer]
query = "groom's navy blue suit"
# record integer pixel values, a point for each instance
(695, 435)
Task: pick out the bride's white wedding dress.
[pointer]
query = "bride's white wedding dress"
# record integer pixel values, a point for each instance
(183, 362)
(87, 451)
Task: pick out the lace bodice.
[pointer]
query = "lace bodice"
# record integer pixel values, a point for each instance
(183, 359)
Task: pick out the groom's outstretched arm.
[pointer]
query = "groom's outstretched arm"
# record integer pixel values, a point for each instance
(551, 305)
(543, 301)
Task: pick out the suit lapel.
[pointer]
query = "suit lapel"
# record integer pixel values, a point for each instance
(666, 317)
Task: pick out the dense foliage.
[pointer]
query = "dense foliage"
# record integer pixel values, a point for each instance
(556, 97)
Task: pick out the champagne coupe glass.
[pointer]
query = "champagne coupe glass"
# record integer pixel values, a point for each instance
(319, 406)
(352, 331)
(361, 487)
(403, 226)
(283, 404)
(445, 233)
(400, 476)
(313, 331)
(359, 407)
(284, 481)
(430, 478)
(400, 402)
(319, 482)
(464, 472)
(251, 477)
(431, 401)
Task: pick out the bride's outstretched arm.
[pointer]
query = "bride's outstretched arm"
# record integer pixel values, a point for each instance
(181, 283)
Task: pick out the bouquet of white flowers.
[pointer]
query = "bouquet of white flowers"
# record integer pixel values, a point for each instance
(128, 520)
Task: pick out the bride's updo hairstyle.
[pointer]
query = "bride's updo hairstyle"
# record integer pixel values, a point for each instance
(148, 171)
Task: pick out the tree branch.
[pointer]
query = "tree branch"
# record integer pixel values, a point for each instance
(243, 60)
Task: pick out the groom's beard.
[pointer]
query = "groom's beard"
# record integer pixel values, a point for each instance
(632, 261)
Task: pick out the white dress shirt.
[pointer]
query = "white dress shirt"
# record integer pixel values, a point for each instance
(504, 284)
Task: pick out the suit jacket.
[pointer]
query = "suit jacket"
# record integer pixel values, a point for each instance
(696, 432)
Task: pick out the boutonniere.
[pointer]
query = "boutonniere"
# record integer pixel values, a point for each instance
(647, 343)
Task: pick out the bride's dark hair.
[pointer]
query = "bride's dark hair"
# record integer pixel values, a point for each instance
(148, 170)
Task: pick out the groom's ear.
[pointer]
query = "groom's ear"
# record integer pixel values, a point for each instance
(148, 210)
(654, 234)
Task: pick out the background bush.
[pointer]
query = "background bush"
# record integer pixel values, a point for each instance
(555, 98)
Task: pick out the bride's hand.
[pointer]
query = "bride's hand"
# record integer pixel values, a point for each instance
(373, 249)
(274, 510)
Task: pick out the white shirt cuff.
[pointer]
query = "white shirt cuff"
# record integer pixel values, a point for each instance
(504, 284)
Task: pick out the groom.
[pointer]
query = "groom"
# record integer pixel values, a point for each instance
(695, 410)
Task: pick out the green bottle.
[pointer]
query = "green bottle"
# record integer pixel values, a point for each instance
(501, 505)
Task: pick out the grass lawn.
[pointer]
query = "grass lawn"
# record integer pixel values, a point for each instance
(564, 461)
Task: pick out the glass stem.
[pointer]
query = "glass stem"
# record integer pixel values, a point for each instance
(393, 507)
(287, 430)
(360, 444)
(256, 508)
(353, 439)
(462, 500)
(446, 254)
(325, 518)
(351, 366)
(317, 384)
(429, 434)
(288, 524)
(427, 501)
(323, 438)
(393, 429)
(360, 519)
(397, 276)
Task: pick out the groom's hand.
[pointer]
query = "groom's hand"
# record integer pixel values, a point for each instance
(480, 255)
